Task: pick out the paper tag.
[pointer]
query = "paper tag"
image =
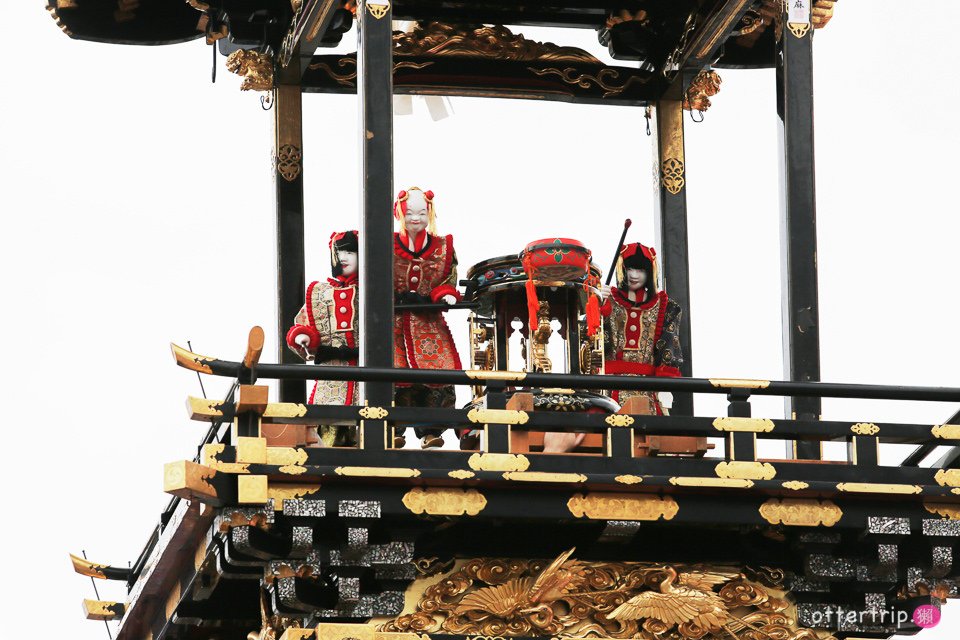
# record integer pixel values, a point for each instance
(798, 11)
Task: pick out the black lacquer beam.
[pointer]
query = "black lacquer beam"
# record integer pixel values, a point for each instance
(801, 316)
(375, 88)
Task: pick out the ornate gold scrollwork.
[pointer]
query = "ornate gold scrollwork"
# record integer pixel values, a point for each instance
(438, 501)
(495, 42)
(795, 485)
(865, 429)
(288, 161)
(671, 175)
(750, 425)
(746, 470)
(622, 506)
(374, 413)
(799, 512)
(604, 78)
(378, 9)
(618, 420)
(799, 29)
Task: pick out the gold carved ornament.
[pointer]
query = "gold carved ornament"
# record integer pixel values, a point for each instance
(946, 431)
(799, 512)
(374, 413)
(498, 462)
(744, 470)
(671, 175)
(492, 42)
(618, 420)
(865, 429)
(702, 87)
(606, 78)
(378, 9)
(254, 67)
(749, 425)
(437, 501)
(567, 598)
(289, 157)
(622, 506)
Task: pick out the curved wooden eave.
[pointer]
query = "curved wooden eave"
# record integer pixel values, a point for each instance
(146, 22)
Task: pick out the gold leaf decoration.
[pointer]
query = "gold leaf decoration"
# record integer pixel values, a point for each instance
(798, 512)
(285, 456)
(948, 478)
(618, 420)
(946, 431)
(461, 474)
(628, 479)
(437, 501)
(749, 425)
(865, 429)
(795, 485)
(726, 483)
(870, 487)
(498, 462)
(377, 472)
(293, 469)
(744, 470)
(949, 510)
(622, 506)
(373, 413)
(544, 476)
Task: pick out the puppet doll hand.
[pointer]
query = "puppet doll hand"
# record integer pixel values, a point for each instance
(604, 291)
(303, 341)
(449, 299)
(561, 442)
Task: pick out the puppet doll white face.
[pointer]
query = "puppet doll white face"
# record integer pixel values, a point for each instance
(348, 260)
(636, 279)
(415, 218)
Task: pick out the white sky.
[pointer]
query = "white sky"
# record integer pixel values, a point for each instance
(139, 209)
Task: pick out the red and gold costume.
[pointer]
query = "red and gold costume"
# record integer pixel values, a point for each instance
(642, 336)
(424, 271)
(329, 318)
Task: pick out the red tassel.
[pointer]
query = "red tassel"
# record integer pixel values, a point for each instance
(593, 314)
(533, 305)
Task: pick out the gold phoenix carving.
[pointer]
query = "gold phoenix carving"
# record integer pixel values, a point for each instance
(474, 41)
(622, 506)
(255, 68)
(798, 512)
(437, 501)
(567, 598)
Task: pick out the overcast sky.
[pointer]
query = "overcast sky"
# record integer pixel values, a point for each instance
(139, 207)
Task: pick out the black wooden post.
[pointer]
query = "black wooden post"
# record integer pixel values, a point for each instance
(288, 161)
(798, 232)
(375, 91)
(671, 222)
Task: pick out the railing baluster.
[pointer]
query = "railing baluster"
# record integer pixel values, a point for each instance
(740, 445)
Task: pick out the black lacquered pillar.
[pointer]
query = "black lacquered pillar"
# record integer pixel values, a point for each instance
(375, 89)
(670, 222)
(798, 219)
(288, 161)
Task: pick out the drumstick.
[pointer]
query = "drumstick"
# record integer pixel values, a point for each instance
(623, 236)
